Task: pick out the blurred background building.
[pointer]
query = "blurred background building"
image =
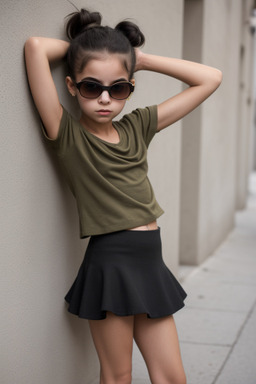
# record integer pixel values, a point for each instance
(199, 168)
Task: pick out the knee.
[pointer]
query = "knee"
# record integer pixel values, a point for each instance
(117, 378)
(181, 379)
(178, 379)
(123, 378)
(171, 378)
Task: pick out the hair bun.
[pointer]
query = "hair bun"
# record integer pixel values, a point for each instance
(80, 21)
(132, 32)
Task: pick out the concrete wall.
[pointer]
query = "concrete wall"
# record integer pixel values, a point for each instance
(40, 248)
(215, 150)
(246, 106)
(253, 141)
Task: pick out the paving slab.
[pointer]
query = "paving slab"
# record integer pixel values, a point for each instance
(209, 327)
(214, 295)
(202, 362)
(231, 271)
(240, 367)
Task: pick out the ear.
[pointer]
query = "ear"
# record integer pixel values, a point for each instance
(71, 86)
(133, 82)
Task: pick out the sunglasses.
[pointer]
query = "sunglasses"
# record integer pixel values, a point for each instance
(92, 90)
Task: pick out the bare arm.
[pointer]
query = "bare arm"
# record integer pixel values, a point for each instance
(202, 81)
(39, 52)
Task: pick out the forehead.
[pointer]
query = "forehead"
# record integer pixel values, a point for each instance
(106, 68)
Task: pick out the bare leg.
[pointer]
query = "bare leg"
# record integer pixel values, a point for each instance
(113, 340)
(158, 342)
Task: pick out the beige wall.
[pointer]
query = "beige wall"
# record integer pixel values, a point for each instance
(215, 150)
(40, 248)
(246, 106)
(253, 130)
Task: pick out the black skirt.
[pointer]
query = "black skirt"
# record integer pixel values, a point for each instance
(124, 273)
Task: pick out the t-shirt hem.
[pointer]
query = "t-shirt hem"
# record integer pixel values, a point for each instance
(120, 226)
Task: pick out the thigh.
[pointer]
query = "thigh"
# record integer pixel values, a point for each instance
(158, 342)
(113, 340)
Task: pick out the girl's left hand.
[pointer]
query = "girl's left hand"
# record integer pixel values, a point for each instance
(201, 79)
(139, 55)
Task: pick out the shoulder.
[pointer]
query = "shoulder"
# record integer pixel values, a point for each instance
(143, 121)
(142, 115)
(68, 130)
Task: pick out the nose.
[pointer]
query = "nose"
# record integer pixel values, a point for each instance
(104, 97)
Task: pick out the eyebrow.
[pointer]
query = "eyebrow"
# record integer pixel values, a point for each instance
(100, 82)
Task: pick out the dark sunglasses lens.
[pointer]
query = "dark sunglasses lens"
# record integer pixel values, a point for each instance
(120, 91)
(90, 90)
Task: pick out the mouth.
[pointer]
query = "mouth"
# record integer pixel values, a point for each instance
(104, 112)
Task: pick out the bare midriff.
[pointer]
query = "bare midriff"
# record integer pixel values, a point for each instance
(148, 227)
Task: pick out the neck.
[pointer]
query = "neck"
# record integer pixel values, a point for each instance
(104, 131)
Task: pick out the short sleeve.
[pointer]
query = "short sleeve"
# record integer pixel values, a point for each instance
(145, 119)
(149, 123)
(65, 134)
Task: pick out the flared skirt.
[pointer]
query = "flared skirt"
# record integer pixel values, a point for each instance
(124, 273)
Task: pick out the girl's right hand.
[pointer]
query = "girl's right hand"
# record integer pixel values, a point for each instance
(39, 52)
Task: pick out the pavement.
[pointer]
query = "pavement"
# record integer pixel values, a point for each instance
(217, 327)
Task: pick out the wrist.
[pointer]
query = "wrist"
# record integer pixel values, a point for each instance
(146, 62)
(140, 58)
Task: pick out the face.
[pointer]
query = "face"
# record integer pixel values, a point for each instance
(107, 70)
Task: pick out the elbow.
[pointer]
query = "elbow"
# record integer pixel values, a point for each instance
(217, 78)
(31, 45)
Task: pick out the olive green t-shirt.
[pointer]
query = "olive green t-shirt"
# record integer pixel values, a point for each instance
(109, 181)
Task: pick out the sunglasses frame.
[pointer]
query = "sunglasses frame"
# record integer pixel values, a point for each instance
(104, 88)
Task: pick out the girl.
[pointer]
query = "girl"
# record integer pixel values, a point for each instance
(123, 287)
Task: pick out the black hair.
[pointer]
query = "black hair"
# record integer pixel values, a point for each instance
(87, 36)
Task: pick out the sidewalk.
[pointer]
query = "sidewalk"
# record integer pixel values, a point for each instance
(217, 328)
